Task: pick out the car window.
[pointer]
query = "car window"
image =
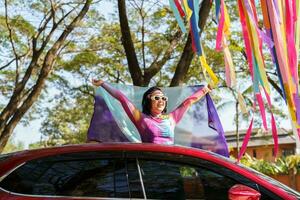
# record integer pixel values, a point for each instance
(81, 174)
(170, 176)
(171, 180)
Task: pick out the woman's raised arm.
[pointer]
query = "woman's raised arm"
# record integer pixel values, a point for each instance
(185, 105)
(133, 113)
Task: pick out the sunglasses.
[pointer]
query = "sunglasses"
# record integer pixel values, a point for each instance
(157, 98)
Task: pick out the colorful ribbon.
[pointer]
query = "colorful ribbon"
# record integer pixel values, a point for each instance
(253, 39)
(188, 10)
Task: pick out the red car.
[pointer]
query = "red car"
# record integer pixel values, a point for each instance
(131, 171)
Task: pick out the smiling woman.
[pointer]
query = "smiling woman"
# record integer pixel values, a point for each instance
(154, 102)
(153, 123)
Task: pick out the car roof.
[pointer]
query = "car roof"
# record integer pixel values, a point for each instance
(20, 157)
(148, 147)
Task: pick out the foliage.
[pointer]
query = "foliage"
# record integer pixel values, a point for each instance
(12, 146)
(68, 123)
(187, 171)
(283, 165)
(293, 163)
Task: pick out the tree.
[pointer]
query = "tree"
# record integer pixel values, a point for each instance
(34, 52)
(71, 130)
(142, 77)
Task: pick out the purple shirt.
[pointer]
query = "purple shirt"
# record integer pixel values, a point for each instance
(151, 129)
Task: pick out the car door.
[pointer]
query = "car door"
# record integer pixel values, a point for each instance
(171, 176)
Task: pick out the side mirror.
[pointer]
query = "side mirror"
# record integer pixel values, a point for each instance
(242, 192)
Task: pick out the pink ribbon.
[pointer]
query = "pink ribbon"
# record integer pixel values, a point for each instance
(274, 134)
(246, 37)
(278, 41)
(291, 40)
(246, 140)
(220, 28)
(262, 109)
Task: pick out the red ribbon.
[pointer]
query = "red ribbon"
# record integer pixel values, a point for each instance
(246, 140)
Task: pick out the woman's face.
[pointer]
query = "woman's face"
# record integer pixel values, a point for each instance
(158, 102)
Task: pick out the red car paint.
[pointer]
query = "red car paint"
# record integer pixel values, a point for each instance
(18, 158)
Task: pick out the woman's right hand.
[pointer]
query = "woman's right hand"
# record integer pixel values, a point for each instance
(97, 82)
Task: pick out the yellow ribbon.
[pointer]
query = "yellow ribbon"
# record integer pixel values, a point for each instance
(187, 10)
(214, 79)
(227, 22)
(242, 104)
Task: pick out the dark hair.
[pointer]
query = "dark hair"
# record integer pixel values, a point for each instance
(146, 102)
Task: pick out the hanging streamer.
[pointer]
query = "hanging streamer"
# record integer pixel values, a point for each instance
(220, 28)
(178, 15)
(274, 134)
(187, 9)
(221, 42)
(281, 34)
(195, 30)
(262, 110)
(229, 68)
(242, 104)
(190, 10)
(253, 39)
(178, 6)
(283, 30)
(213, 77)
(246, 140)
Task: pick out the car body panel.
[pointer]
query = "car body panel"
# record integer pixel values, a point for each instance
(17, 159)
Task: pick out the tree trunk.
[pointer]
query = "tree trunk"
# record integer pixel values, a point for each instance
(9, 120)
(133, 64)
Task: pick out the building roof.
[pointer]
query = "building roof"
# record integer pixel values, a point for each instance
(260, 137)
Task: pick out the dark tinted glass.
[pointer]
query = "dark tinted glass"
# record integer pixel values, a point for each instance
(169, 176)
(170, 180)
(71, 175)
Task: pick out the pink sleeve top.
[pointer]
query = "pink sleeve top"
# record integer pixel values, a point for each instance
(151, 129)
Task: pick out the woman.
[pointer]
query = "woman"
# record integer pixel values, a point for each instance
(153, 123)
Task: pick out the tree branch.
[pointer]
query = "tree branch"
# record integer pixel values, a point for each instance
(275, 86)
(12, 60)
(12, 43)
(157, 65)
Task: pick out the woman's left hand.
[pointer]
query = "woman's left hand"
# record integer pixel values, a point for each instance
(97, 82)
(209, 87)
